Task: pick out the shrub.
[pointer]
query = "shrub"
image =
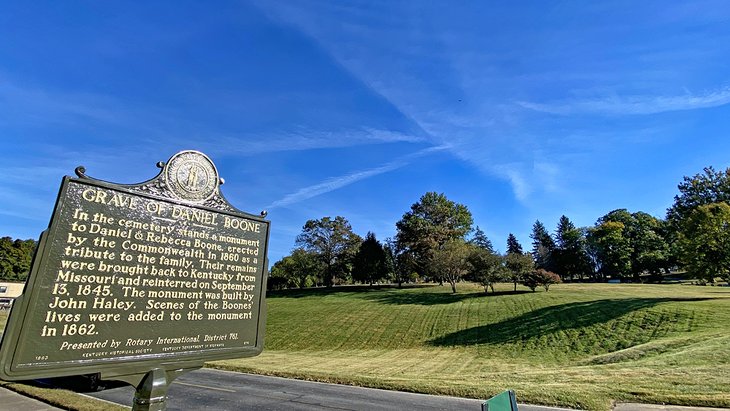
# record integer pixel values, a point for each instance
(540, 277)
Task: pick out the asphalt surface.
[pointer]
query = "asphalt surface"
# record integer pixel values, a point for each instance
(208, 389)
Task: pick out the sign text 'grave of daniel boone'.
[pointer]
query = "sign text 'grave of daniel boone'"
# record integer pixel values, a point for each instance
(160, 275)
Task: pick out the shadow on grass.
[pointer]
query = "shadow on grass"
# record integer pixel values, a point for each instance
(391, 294)
(341, 289)
(435, 298)
(551, 320)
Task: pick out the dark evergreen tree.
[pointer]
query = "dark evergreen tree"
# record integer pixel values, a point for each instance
(369, 265)
(571, 257)
(543, 246)
(513, 246)
(480, 240)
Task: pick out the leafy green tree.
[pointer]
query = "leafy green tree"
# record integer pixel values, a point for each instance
(369, 265)
(300, 269)
(391, 261)
(612, 251)
(627, 243)
(705, 188)
(452, 261)
(708, 187)
(543, 246)
(406, 268)
(571, 257)
(333, 242)
(487, 267)
(620, 215)
(705, 241)
(518, 266)
(513, 246)
(15, 258)
(401, 264)
(517, 263)
(306, 268)
(7, 259)
(650, 249)
(612, 248)
(431, 222)
(482, 250)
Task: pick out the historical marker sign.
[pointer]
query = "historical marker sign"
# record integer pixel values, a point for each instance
(128, 278)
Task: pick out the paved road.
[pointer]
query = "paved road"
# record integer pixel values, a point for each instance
(208, 389)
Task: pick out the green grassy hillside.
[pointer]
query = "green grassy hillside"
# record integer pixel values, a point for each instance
(579, 345)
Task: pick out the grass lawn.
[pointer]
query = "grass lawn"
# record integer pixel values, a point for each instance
(579, 345)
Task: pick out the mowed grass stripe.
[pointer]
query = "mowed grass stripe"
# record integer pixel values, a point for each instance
(578, 345)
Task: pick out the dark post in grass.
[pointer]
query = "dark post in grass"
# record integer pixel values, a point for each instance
(141, 283)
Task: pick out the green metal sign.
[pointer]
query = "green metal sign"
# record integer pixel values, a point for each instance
(127, 279)
(504, 401)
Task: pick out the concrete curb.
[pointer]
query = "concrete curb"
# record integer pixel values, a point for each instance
(659, 407)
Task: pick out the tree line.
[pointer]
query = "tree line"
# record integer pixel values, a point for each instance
(15, 258)
(436, 240)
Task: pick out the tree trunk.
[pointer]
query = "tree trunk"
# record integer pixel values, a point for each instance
(329, 279)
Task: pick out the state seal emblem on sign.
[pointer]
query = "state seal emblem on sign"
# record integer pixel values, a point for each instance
(191, 176)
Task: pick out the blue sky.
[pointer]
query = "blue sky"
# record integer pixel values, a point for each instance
(520, 111)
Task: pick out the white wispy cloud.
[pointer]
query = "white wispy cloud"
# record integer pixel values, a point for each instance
(307, 139)
(443, 104)
(342, 181)
(456, 85)
(27, 104)
(55, 106)
(516, 177)
(633, 105)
